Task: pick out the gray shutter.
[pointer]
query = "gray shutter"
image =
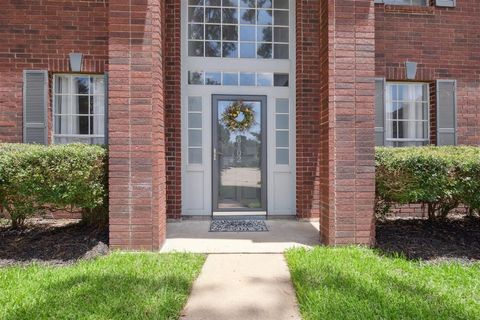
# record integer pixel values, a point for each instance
(379, 112)
(35, 95)
(106, 107)
(446, 3)
(446, 112)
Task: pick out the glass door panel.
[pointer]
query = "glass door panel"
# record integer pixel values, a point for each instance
(239, 159)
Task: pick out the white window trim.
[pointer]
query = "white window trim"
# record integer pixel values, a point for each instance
(386, 120)
(55, 94)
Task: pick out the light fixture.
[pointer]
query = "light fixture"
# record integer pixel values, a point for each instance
(76, 61)
(411, 68)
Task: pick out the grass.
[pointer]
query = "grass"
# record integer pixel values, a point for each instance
(118, 286)
(358, 283)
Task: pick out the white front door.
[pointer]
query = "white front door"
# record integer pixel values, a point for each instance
(218, 63)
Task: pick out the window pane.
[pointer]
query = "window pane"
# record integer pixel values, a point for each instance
(195, 31)
(282, 138)
(280, 34)
(282, 106)
(281, 4)
(281, 51)
(230, 16)
(247, 16)
(98, 85)
(63, 124)
(195, 14)
(195, 104)
(282, 156)
(97, 105)
(230, 3)
(230, 33)
(280, 80)
(212, 49)
(229, 50)
(264, 79)
(247, 78)
(247, 3)
(195, 120)
(62, 105)
(230, 79)
(281, 121)
(195, 48)
(264, 50)
(213, 32)
(194, 138)
(194, 155)
(264, 3)
(62, 84)
(247, 33)
(264, 34)
(213, 78)
(81, 85)
(281, 18)
(195, 2)
(213, 2)
(97, 124)
(247, 50)
(80, 105)
(195, 77)
(264, 17)
(213, 15)
(80, 125)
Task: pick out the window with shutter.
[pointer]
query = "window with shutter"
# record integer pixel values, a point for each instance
(35, 88)
(446, 112)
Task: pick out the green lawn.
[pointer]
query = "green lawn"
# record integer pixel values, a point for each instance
(118, 286)
(358, 283)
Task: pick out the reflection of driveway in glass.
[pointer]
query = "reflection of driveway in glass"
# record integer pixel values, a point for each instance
(241, 177)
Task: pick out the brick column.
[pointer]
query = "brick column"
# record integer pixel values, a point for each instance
(347, 142)
(136, 124)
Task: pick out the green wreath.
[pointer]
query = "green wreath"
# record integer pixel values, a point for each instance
(231, 114)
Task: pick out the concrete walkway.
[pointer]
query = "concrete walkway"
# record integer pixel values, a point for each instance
(194, 236)
(243, 287)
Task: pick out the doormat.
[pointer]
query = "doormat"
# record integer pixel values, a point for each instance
(230, 225)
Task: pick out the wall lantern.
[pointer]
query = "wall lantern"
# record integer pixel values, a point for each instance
(76, 61)
(411, 68)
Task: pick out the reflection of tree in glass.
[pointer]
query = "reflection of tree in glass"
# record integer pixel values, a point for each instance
(267, 34)
(230, 16)
(82, 85)
(248, 3)
(196, 77)
(229, 49)
(249, 16)
(265, 50)
(264, 3)
(212, 49)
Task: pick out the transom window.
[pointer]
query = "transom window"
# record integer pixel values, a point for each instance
(257, 29)
(407, 2)
(79, 109)
(407, 114)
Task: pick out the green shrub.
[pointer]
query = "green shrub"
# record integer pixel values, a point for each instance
(440, 178)
(34, 179)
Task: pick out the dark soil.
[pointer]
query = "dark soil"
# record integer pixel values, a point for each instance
(419, 239)
(57, 243)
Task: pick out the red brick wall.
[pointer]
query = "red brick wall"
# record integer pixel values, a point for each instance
(173, 109)
(347, 122)
(446, 44)
(40, 35)
(308, 84)
(137, 124)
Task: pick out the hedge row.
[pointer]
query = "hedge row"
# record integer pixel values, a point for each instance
(440, 178)
(35, 179)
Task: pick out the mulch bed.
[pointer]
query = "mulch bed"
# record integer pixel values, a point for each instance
(56, 242)
(419, 239)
